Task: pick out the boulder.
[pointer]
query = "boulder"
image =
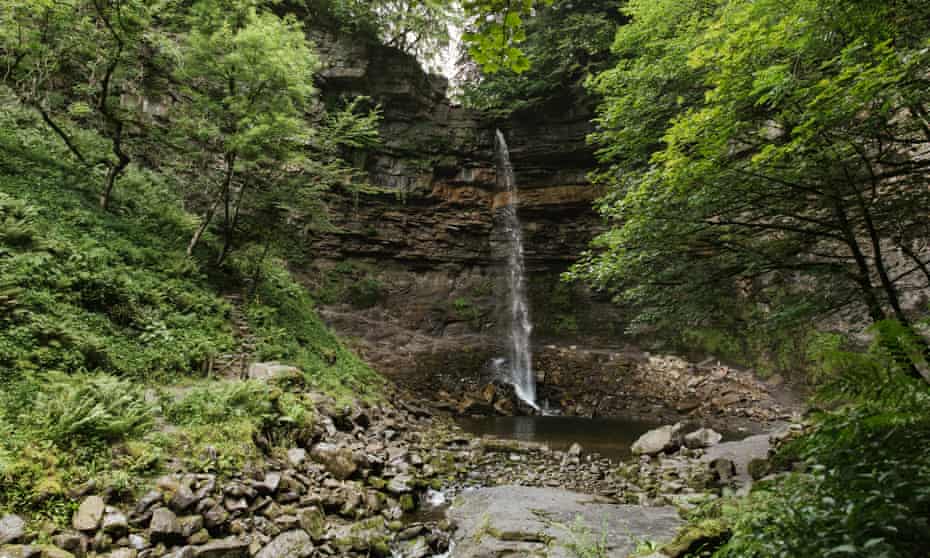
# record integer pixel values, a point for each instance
(292, 544)
(165, 527)
(702, 438)
(662, 439)
(89, 514)
(20, 551)
(338, 461)
(12, 529)
(273, 372)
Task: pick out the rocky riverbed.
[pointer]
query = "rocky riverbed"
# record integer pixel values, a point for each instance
(360, 486)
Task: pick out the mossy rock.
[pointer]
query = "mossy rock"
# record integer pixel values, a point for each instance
(696, 537)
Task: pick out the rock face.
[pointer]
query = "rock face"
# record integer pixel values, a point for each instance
(426, 251)
(523, 521)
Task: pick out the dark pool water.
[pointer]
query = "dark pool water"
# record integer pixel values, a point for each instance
(610, 437)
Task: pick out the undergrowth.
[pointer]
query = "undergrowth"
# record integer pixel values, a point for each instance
(858, 484)
(107, 330)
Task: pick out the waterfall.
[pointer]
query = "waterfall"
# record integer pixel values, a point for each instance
(520, 359)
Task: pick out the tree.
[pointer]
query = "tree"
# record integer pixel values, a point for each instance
(76, 62)
(566, 43)
(252, 118)
(247, 79)
(755, 140)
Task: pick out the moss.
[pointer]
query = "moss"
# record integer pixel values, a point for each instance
(697, 537)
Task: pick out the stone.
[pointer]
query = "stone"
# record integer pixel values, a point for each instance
(296, 456)
(662, 439)
(702, 438)
(215, 516)
(115, 523)
(19, 551)
(230, 547)
(273, 372)
(338, 461)
(165, 527)
(123, 553)
(292, 544)
(74, 543)
(313, 522)
(268, 485)
(50, 551)
(183, 497)
(723, 470)
(400, 484)
(148, 500)
(89, 514)
(575, 450)
(12, 529)
(190, 524)
(183, 552)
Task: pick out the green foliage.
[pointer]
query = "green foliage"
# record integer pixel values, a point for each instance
(76, 62)
(866, 495)
(748, 151)
(76, 410)
(214, 403)
(565, 44)
(584, 543)
(499, 30)
(283, 316)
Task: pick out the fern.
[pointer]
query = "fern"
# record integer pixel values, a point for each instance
(84, 409)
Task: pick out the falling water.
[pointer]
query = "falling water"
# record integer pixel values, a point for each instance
(520, 359)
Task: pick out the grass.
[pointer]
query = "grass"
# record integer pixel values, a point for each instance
(106, 329)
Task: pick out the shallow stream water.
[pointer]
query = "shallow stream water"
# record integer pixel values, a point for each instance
(610, 437)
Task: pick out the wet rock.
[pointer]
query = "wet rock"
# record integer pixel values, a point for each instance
(89, 514)
(292, 544)
(123, 553)
(702, 438)
(662, 439)
(338, 461)
(12, 529)
(165, 527)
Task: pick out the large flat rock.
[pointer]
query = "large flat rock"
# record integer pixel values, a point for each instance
(517, 521)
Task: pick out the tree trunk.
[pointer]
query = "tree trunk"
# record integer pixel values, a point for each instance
(223, 194)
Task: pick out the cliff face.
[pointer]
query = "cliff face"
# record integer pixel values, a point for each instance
(424, 252)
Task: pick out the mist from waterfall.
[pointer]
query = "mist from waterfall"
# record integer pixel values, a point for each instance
(519, 358)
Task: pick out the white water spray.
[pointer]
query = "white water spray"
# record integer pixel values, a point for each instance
(520, 358)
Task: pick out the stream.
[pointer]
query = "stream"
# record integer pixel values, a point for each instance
(609, 437)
